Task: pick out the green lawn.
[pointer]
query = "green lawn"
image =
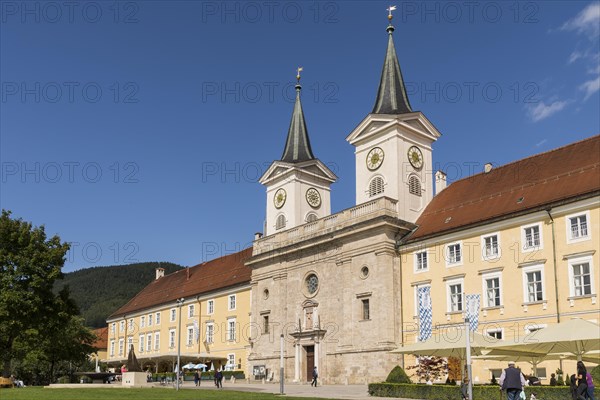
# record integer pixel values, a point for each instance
(39, 393)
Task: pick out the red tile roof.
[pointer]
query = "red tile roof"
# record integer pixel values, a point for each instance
(102, 342)
(521, 186)
(212, 275)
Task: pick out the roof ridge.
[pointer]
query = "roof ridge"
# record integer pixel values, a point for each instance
(513, 188)
(528, 158)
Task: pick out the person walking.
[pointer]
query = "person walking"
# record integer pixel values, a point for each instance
(219, 376)
(590, 386)
(315, 375)
(464, 389)
(581, 381)
(512, 381)
(196, 378)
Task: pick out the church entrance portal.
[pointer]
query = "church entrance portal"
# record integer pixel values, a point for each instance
(310, 361)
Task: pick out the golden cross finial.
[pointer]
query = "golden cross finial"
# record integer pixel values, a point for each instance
(298, 70)
(390, 9)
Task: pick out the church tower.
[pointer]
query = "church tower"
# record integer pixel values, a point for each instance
(393, 144)
(298, 185)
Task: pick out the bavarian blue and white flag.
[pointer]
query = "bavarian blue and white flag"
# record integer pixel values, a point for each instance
(473, 310)
(424, 298)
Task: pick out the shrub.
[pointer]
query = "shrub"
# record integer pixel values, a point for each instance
(595, 372)
(444, 392)
(397, 375)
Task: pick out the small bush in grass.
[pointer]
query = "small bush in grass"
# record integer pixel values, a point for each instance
(397, 375)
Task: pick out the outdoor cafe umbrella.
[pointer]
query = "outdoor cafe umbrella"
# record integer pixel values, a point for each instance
(534, 360)
(189, 366)
(576, 337)
(200, 366)
(449, 342)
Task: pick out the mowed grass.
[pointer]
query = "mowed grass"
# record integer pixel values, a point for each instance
(39, 393)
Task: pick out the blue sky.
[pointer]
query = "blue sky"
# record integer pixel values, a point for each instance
(138, 130)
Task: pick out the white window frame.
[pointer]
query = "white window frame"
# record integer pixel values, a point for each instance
(449, 284)
(130, 324)
(210, 307)
(231, 333)
(495, 330)
(112, 348)
(484, 287)
(129, 343)
(571, 262)
(570, 238)
(122, 326)
(189, 337)
(210, 332)
(447, 254)
(121, 346)
(149, 343)
(150, 319)
(143, 321)
(156, 341)
(172, 338)
(173, 314)
(526, 270)
(142, 345)
(113, 327)
(484, 255)
(191, 310)
(157, 318)
(529, 249)
(416, 296)
(231, 357)
(229, 302)
(417, 254)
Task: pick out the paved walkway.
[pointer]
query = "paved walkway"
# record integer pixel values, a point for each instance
(349, 392)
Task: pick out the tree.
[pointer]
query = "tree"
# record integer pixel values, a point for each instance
(430, 368)
(397, 375)
(29, 265)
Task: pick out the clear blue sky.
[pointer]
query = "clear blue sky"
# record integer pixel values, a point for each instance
(139, 130)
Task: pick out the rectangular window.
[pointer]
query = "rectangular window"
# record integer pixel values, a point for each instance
(421, 261)
(453, 254)
(112, 348)
(113, 327)
(541, 372)
(231, 360)
(158, 318)
(455, 296)
(579, 226)
(190, 336)
(130, 324)
(582, 279)
(129, 344)
(534, 286)
(265, 324)
(191, 311)
(149, 342)
(122, 326)
(210, 330)
(142, 321)
(150, 319)
(172, 338)
(142, 343)
(232, 302)
(365, 309)
(495, 333)
(531, 237)
(173, 314)
(210, 306)
(492, 291)
(416, 298)
(495, 372)
(491, 248)
(121, 344)
(157, 341)
(231, 329)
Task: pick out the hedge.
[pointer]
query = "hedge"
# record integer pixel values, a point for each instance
(205, 376)
(445, 392)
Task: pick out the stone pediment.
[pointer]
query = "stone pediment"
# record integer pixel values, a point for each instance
(380, 124)
(282, 170)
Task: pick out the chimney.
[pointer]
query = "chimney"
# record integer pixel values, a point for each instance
(188, 273)
(257, 235)
(160, 272)
(440, 181)
(487, 167)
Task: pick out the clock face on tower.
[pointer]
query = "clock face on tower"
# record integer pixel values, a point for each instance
(415, 157)
(313, 197)
(375, 158)
(279, 198)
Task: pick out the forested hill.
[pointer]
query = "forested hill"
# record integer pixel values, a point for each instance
(99, 291)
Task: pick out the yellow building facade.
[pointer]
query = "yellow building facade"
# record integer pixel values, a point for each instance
(532, 267)
(201, 311)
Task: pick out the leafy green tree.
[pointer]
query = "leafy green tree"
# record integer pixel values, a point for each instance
(29, 265)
